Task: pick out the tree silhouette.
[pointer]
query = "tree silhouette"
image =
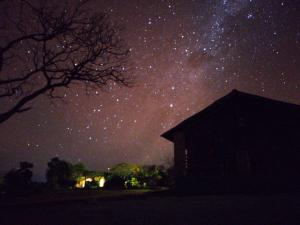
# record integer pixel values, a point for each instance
(46, 47)
(59, 173)
(19, 179)
(78, 170)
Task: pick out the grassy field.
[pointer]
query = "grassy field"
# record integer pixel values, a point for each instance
(68, 196)
(149, 208)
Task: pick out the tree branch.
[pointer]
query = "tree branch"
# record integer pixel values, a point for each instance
(63, 47)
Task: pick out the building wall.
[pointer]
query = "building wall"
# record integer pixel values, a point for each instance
(179, 154)
(240, 139)
(268, 134)
(243, 144)
(210, 143)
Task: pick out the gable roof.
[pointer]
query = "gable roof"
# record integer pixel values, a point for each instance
(224, 100)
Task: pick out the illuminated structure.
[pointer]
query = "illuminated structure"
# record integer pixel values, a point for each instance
(82, 181)
(240, 142)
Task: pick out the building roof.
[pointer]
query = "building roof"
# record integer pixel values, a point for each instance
(234, 94)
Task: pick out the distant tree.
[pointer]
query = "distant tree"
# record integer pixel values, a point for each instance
(19, 179)
(49, 46)
(120, 175)
(153, 176)
(126, 175)
(169, 173)
(114, 182)
(125, 170)
(169, 177)
(78, 170)
(59, 174)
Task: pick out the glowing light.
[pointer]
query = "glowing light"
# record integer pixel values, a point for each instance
(80, 183)
(101, 182)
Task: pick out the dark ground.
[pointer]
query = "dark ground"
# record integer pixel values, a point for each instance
(149, 208)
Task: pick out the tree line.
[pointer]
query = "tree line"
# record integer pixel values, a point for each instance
(61, 174)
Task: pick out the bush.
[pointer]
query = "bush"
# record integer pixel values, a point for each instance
(135, 176)
(19, 180)
(114, 182)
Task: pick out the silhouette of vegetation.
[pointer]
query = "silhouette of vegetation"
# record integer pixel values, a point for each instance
(52, 46)
(19, 180)
(59, 174)
(78, 170)
(65, 175)
(62, 175)
(130, 176)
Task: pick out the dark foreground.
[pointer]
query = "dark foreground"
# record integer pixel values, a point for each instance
(139, 208)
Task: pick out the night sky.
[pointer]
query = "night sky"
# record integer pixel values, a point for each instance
(185, 55)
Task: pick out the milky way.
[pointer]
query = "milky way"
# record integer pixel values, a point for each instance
(185, 55)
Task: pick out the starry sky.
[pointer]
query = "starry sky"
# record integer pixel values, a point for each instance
(185, 54)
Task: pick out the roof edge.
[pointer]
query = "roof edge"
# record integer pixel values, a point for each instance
(169, 134)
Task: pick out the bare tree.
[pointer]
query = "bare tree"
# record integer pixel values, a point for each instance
(45, 48)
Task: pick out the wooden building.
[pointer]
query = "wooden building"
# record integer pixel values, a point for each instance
(239, 142)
